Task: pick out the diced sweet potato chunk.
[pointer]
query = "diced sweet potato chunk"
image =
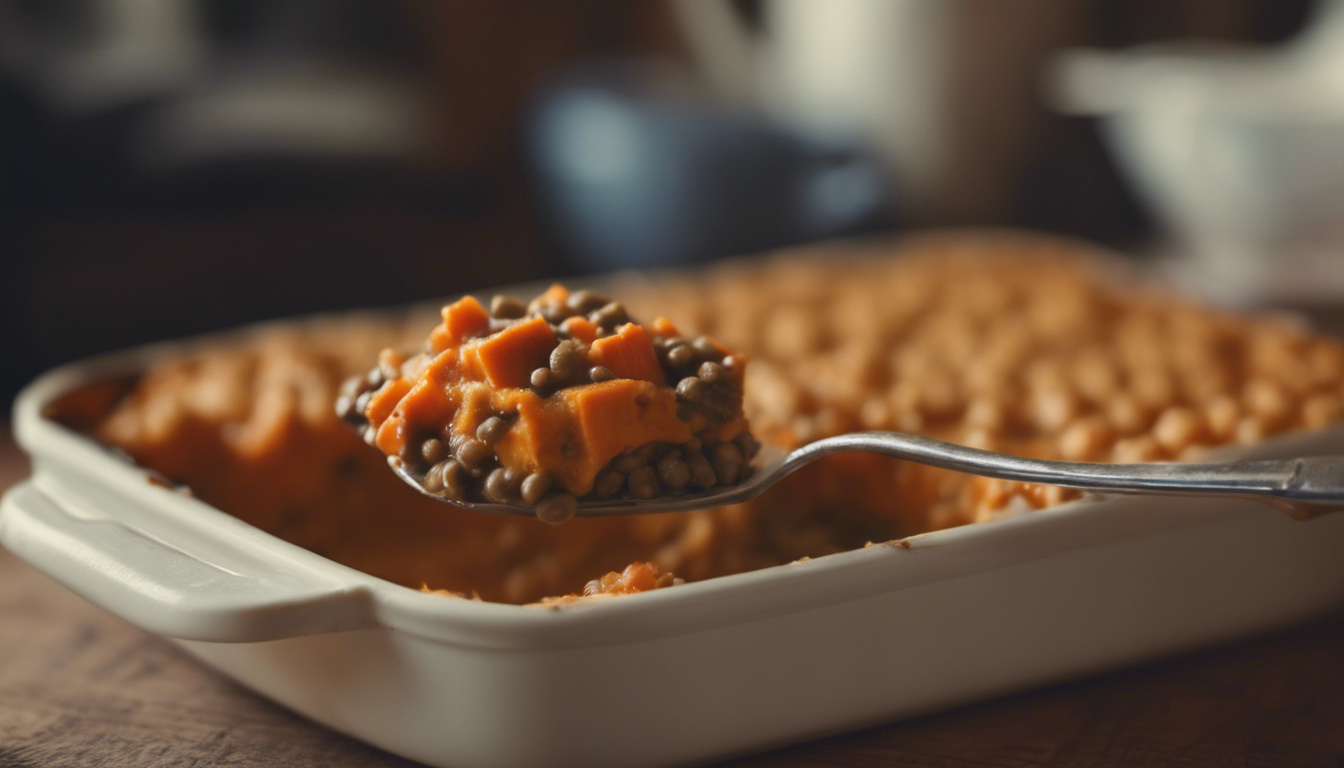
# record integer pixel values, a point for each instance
(508, 358)
(618, 415)
(629, 354)
(580, 328)
(556, 294)
(385, 400)
(462, 320)
(664, 327)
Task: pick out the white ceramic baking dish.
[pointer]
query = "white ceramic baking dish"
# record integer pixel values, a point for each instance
(676, 676)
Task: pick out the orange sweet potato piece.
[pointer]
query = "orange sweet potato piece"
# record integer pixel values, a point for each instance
(391, 436)
(629, 354)
(428, 401)
(462, 320)
(556, 294)
(617, 415)
(580, 328)
(541, 437)
(473, 407)
(508, 358)
(661, 326)
(637, 577)
(385, 400)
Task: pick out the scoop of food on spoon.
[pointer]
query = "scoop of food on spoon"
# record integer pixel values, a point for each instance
(563, 406)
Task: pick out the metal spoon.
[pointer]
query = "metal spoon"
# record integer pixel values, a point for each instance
(1303, 487)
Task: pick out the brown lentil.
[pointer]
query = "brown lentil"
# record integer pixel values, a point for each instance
(507, 307)
(727, 462)
(432, 451)
(702, 474)
(691, 389)
(673, 472)
(567, 359)
(557, 507)
(628, 462)
(642, 483)
(556, 313)
(712, 372)
(585, 301)
(503, 485)
(682, 356)
(492, 430)
(534, 487)
(610, 315)
(362, 403)
(475, 456)
(433, 479)
(608, 483)
(748, 445)
(455, 478)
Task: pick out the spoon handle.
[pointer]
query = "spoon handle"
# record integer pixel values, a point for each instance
(1300, 481)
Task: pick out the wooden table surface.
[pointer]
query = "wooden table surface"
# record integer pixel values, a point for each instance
(79, 687)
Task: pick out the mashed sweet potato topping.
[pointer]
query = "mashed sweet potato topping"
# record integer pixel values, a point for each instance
(1015, 343)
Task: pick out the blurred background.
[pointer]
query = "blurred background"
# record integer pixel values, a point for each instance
(170, 167)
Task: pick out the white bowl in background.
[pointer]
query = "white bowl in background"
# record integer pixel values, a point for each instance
(1239, 151)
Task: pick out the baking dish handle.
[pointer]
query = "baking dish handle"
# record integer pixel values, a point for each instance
(167, 591)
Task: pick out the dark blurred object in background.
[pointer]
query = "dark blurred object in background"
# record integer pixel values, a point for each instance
(727, 181)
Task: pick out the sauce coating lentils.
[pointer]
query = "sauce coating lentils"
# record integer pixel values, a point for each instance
(543, 403)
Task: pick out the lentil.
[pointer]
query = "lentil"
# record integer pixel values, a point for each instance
(608, 483)
(501, 485)
(682, 356)
(642, 483)
(567, 359)
(432, 451)
(475, 456)
(492, 430)
(534, 487)
(706, 348)
(610, 315)
(557, 507)
(456, 479)
(507, 307)
(702, 474)
(712, 372)
(673, 472)
(691, 389)
(628, 462)
(585, 301)
(727, 462)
